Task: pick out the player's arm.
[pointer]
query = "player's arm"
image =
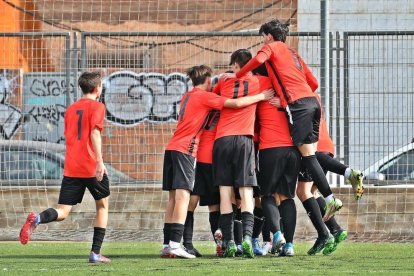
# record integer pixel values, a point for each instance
(246, 101)
(310, 78)
(97, 148)
(96, 139)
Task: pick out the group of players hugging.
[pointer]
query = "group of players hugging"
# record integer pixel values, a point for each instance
(243, 148)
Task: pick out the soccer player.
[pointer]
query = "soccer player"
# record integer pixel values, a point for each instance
(295, 85)
(279, 163)
(233, 155)
(83, 168)
(181, 151)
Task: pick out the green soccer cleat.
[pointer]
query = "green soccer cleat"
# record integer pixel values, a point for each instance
(331, 208)
(339, 237)
(355, 178)
(230, 249)
(325, 243)
(247, 247)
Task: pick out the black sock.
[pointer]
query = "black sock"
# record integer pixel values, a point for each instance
(248, 222)
(288, 218)
(188, 231)
(226, 226)
(237, 213)
(271, 213)
(258, 222)
(238, 232)
(48, 215)
(266, 231)
(312, 209)
(329, 163)
(213, 217)
(177, 231)
(318, 176)
(332, 225)
(167, 232)
(98, 237)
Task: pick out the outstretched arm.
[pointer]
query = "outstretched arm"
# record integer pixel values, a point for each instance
(245, 101)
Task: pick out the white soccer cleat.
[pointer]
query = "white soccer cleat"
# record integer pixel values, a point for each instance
(266, 248)
(179, 252)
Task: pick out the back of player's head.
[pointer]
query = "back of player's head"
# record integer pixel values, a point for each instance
(260, 70)
(88, 81)
(241, 57)
(199, 73)
(276, 28)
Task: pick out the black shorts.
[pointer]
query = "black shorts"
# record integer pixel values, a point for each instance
(305, 175)
(178, 171)
(233, 162)
(304, 116)
(204, 186)
(73, 189)
(279, 168)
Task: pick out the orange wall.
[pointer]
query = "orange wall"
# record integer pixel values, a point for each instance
(30, 54)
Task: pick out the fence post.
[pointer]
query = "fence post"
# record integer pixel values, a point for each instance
(67, 69)
(325, 58)
(346, 98)
(83, 52)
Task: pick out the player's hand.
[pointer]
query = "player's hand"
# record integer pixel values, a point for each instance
(226, 76)
(268, 94)
(275, 101)
(100, 170)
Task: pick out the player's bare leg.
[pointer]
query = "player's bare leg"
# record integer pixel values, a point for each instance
(167, 225)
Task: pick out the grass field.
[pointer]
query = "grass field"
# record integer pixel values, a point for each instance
(139, 258)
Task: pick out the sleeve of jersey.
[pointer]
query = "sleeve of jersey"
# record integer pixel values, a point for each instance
(98, 116)
(213, 101)
(310, 78)
(260, 58)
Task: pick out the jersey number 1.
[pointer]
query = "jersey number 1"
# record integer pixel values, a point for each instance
(80, 114)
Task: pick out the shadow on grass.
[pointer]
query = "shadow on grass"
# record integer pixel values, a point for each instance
(83, 256)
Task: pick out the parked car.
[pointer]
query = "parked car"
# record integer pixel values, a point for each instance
(396, 168)
(29, 162)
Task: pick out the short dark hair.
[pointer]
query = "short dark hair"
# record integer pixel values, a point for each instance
(88, 81)
(241, 57)
(199, 73)
(260, 70)
(276, 28)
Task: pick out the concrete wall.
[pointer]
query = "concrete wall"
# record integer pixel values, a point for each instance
(137, 214)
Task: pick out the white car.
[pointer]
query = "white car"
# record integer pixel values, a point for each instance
(396, 168)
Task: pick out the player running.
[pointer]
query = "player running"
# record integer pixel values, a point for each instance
(83, 168)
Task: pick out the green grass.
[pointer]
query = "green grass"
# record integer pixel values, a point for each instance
(139, 258)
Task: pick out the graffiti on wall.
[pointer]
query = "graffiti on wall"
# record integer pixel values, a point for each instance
(10, 115)
(130, 99)
(44, 105)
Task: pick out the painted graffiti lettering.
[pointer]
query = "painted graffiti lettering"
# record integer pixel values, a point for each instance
(49, 87)
(10, 116)
(52, 113)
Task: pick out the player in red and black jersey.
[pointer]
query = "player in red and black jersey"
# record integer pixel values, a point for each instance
(83, 168)
(233, 155)
(295, 85)
(181, 152)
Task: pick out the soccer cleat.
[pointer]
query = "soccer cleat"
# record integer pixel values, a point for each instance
(339, 237)
(230, 249)
(218, 237)
(355, 178)
(331, 208)
(267, 247)
(257, 249)
(278, 242)
(247, 247)
(98, 258)
(239, 251)
(193, 251)
(287, 250)
(326, 243)
(28, 227)
(180, 252)
(165, 253)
